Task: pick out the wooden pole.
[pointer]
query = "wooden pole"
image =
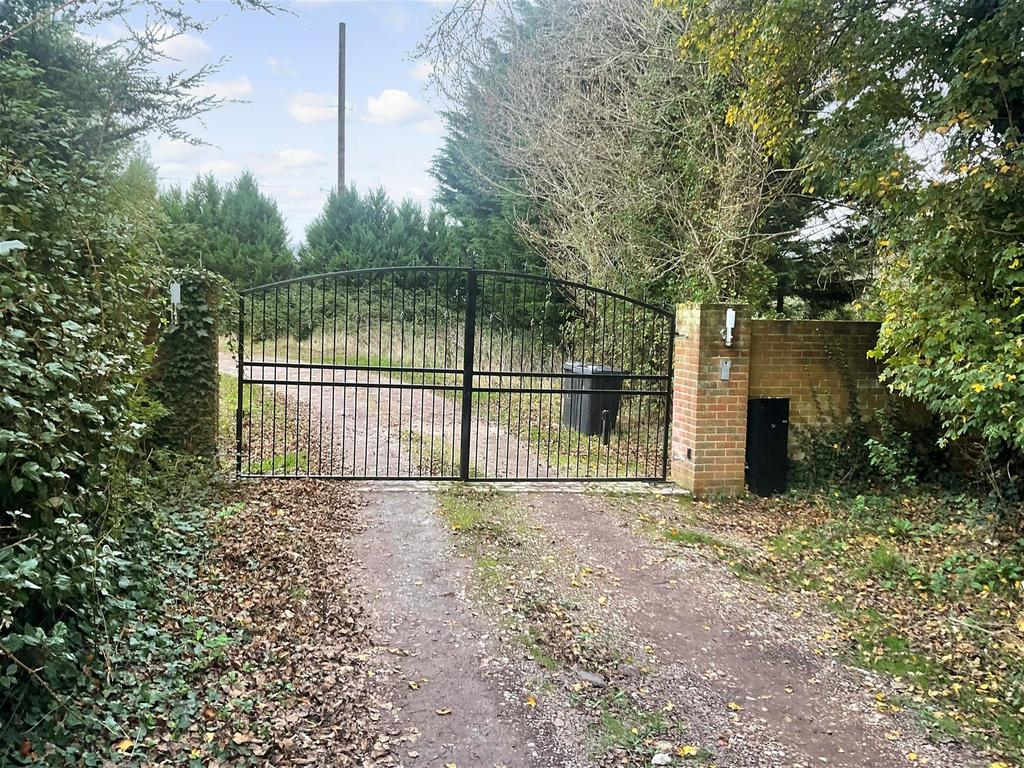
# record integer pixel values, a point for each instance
(341, 106)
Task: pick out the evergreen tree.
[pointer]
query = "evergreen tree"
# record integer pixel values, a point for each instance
(484, 212)
(330, 243)
(357, 231)
(256, 247)
(236, 231)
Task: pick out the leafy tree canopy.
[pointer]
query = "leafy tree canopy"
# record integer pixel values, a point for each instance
(909, 114)
(577, 132)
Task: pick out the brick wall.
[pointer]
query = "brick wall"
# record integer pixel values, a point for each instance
(795, 359)
(792, 358)
(709, 415)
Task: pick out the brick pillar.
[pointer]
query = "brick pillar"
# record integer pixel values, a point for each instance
(709, 415)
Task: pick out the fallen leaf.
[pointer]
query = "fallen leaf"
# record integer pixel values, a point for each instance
(443, 712)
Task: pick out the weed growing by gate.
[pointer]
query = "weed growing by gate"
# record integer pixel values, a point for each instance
(280, 434)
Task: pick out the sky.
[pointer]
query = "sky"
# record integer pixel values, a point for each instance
(284, 68)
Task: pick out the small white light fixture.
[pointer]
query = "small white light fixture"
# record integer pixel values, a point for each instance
(175, 301)
(730, 325)
(9, 246)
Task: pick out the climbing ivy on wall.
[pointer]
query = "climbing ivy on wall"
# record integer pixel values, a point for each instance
(185, 372)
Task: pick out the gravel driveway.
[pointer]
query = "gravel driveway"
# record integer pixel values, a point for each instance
(736, 674)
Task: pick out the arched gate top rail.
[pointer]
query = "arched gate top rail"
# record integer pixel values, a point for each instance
(447, 268)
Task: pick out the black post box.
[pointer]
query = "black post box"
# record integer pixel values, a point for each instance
(591, 413)
(767, 445)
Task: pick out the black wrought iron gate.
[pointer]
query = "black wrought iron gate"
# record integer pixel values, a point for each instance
(451, 373)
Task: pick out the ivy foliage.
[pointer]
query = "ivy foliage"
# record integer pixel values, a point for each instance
(909, 117)
(80, 291)
(185, 379)
(134, 670)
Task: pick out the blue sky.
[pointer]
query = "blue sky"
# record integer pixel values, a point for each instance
(285, 68)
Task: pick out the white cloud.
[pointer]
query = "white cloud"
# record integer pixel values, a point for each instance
(184, 47)
(180, 161)
(430, 125)
(307, 107)
(392, 106)
(226, 89)
(397, 19)
(291, 160)
(422, 70)
(282, 66)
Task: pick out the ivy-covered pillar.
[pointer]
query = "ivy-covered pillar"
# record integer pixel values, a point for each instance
(185, 377)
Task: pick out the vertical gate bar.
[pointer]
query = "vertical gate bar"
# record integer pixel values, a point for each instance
(369, 375)
(522, 367)
(494, 314)
(469, 341)
(355, 375)
(298, 386)
(401, 362)
(620, 355)
(309, 389)
(252, 356)
(273, 389)
(583, 359)
(287, 358)
(506, 362)
(444, 297)
(334, 374)
(616, 364)
(667, 417)
(632, 367)
(423, 381)
(263, 375)
(418, 305)
(412, 394)
(241, 379)
(323, 345)
(433, 364)
(380, 351)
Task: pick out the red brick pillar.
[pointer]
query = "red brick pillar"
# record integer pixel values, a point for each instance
(709, 413)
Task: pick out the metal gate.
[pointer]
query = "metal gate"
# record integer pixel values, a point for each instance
(451, 373)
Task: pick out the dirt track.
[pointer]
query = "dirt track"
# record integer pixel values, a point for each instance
(728, 666)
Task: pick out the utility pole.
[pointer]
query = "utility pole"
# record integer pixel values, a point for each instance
(341, 107)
